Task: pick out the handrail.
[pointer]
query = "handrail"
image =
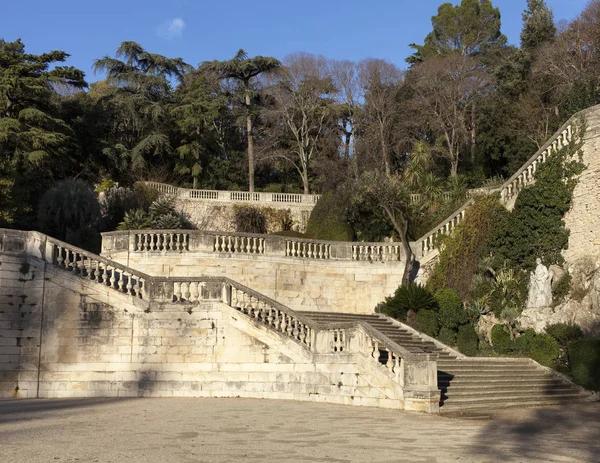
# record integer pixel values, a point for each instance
(233, 196)
(186, 241)
(509, 189)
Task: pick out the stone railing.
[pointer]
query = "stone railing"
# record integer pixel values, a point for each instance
(411, 368)
(187, 241)
(234, 196)
(429, 243)
(417, 198)
(414, 370)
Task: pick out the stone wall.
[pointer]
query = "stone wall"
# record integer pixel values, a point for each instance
(85, 339)
(302, 274)
(219, 215)
(583, 220)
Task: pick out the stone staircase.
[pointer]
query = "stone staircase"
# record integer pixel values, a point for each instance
(473, 384)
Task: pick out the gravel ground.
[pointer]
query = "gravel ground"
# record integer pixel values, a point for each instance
(248, 430)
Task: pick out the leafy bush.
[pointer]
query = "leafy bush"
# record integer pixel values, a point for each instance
(524, 341)
(412, 296)
(427, 322)
(328, 219)
(535, 227)
(467, 340)
(447, 336)
(115, 203)
(249, 219)
(584, 358)
(561, 289)
(564, 333)
(452, 313)
(501, 340)
(544, 350)
(69, 206)
(462, 250)
(135, 219)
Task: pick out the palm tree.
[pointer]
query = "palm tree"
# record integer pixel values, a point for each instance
(243, 70)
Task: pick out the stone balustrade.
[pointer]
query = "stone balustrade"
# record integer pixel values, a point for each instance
(234, 196)
(187, 241)
(95, 268)
(429, 243)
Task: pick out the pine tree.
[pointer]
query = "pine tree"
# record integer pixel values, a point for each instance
(538, 26)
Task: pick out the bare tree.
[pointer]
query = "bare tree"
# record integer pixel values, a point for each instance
(348, 99)
(379, 80)
(302, 111)
(445, 91)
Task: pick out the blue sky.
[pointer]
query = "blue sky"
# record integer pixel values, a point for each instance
(199, 30)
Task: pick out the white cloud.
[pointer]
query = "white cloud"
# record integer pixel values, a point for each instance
(172, 29)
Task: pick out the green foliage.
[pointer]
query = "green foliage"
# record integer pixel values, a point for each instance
(584, 358)
(535, 227)
(524, 341)
(462, 251)
(545, 350)
(70, 205)
(412, 296)
(469, 28)
(561, 289)
(451, 311)
(467, 340)
(135, 219)
(427, 322)
(509, 292)
(501, 340)
(564, 333)
(249, 219)
(538, 26)
(328, 220)
(447, 336)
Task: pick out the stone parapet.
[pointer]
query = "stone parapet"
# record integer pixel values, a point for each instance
(97, 328)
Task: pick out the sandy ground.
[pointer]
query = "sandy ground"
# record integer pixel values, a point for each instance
(240, 430)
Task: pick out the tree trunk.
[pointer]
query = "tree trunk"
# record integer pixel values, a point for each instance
(402, 230)
(384, 152)
(473, 135)
(305, 181)
(250, 144)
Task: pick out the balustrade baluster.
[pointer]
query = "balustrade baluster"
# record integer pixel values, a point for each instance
(376, 352)
(195, 291)
(129, 286)
(120, 281)
(177, 291)
(390, 361)
(112, 277)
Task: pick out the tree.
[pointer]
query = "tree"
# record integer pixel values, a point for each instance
(245, 70)
(445, 89)
(390, 193)
(379, 123)
(35, 142)
(201, 113)
(538, 26)
(302, 112)
(137, 94)
(469, 29)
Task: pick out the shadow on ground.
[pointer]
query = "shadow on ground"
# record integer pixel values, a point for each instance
(12, 411)
(569, 431)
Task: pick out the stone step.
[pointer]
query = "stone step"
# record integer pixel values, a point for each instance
(516, 382)
(522, 390)
(509, 401)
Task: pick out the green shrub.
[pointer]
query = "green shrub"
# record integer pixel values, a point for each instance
(135, 219)
(69, 206)
(561, 289)
(564, 333)
(544, 350)
(501, 340)
(535, 227)
(447, 336)
(249, 219)
(412, 296)
(428, 322)
(467, 340)
(451, 311)
(584, 358)
(461, 252)
(524, 341)
(328, 220)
